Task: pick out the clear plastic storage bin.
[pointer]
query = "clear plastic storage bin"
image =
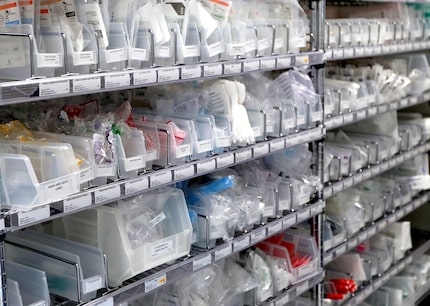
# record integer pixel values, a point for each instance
(136, 234)
(91, 271)
(26, 285)
(36, 173)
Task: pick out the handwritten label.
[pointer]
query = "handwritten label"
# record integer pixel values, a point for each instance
(156, 282)
(223, 252)
(212, 70)
(136, 185)
(117, 80)
(168, 74)
(35, 215)
(77, 202)
(243, 155)
(161, 178)
(53, 88)
(283, 62)
(268, 63)
(257, 236)
(251, 65)
(232, 68)
(241, 243)
(274, 228)
(183, 172)
(144, 77)
(191, 72)
(107, 194)
(276, 145)
(225, 160)
(261, 149)
(93, 83)
(206, 166)
(202, 262)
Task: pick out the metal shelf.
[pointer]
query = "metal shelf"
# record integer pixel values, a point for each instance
(333, 188)
(363, 114)
(151, 280)
(16, 219)
(295, 291)
(72, 85)
(381, 280)
(378, 226)
(379, 50)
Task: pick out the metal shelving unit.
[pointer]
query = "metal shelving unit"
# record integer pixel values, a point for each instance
(333, 188)
(375, 228)
(367, 113)
(367, 290)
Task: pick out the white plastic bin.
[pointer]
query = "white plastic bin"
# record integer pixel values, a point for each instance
(36, 173)
(136, 235)
(131, 152)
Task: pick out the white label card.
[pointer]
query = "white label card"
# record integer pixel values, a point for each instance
(49, 60)
(268, 63)
(258, 235)
(77, 202)
(302, 288)
(106, 302)
(53, 88)
(35, 215)
(202, 262)
(289, 221)
(117, 80)
(348, 182)
(303, 215)
(338, 53)
(144, 77)
(261, 149)
(372, 111)
(93, 83)
(92, 284)
(276, 145)
(348, 52)
(161, 178)
(338, 187)
(359, 52)
(241, 243)
(161, 248)
(243, 155)
(302, 60)
(274, 228)
(251, 65)
(139, 54)
(107, 194)
(156, 282)
(206, 166)
(136, 185)
(232, 68)
(116, 55)
(183, 172)
(212, 70)
(169, 74)
(283, 62)
(348, 118)
(224, 252)
(191, 72)
(382, 109)
(225, 160)
(283, 300)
